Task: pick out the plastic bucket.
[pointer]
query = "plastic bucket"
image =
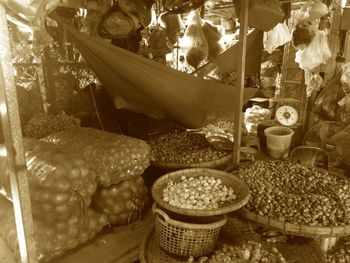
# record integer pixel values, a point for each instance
(278, 141)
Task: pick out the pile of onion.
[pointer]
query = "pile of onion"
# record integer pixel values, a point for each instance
(113, 157)
(60, 181)
(123, 202)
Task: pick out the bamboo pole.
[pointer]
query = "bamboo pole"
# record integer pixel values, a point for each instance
(14, 146)
(243, 31)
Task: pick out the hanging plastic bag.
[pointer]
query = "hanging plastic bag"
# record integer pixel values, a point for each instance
(326, 104)
(344, 110)
(276, 37)
(345, 77)
(315, 54)
(213, 36)
(194, 41)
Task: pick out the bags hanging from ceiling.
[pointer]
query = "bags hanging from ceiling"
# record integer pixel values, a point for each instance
(153, 86)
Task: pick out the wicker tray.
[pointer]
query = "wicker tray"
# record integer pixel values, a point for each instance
(295, 229)
(240, 188)
(300, 250)
(212, 164)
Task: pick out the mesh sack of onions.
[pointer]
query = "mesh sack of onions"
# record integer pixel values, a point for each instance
(123, 202)
(52, 240)
(60, 181)
(43, 124)
(114, 157)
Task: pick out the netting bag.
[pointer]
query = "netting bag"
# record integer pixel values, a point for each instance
(61, 182)
(122, 202)
(113, 157)
(53, 240)
(194, 41)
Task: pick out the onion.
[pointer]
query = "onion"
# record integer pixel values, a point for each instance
(59, 199)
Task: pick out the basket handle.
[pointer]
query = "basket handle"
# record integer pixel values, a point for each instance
(308, 154)
(160, 212)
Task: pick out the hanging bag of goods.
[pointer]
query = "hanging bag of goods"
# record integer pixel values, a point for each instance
(113, 157)
(194, 41)
(117, 24)
(182, 6)
(263, 14)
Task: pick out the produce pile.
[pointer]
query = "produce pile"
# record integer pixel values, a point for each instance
(123, 202)
(61, 186)
(61, 182)
(182, 147)
(113, 157)
(118, 161)
(290, 192)
(43, 124)
(341, 252)
(53, 240)
(244, 253)
(197, 193)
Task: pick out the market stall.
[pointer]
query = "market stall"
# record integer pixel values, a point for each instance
(174, 131)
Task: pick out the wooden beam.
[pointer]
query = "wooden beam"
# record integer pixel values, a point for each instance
(243, 31)
(14, 145)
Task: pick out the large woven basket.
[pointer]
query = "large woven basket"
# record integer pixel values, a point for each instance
(212, 164)
(295, 229)
(240, 189)
(187, 239)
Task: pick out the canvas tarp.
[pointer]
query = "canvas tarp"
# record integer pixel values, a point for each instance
(153, 87)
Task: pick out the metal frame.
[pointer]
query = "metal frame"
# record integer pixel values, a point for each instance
(14, 145)
(243, 31)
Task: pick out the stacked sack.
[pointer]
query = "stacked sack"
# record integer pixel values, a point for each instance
(53, 240)
(61, 185)
(118, 161)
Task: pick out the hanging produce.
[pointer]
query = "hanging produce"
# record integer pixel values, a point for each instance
(326, 104)
(194, 41)
(117, 24)
(173, 25)
(122, 202)
(213, 37)
(113, 157)
(139, 9)
(159, 41)
(182, 6)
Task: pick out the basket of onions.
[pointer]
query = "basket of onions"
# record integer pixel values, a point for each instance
(200, 192)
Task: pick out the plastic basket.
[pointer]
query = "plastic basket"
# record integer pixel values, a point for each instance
(187, 239)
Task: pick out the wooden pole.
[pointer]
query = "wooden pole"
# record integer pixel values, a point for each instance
(14, 147)
(243, 31)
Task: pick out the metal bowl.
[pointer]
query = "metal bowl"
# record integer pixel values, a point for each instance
(220, 140)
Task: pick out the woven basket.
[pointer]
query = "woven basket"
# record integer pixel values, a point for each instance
(187, 239)
(240, 189)
(212, 164)
(295, 229)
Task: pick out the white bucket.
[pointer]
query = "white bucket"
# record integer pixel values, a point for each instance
(278, 141)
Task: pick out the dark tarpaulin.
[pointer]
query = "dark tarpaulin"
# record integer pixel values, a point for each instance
(152, 86)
